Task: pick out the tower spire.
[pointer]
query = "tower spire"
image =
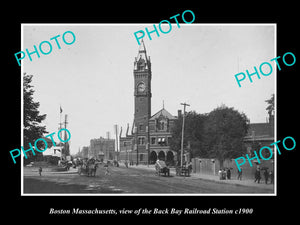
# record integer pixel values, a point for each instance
(142, 47)
(142, 61)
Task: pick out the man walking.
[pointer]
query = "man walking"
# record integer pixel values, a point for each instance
(257, 175)
(266, 174)
(240, 173)
(40, 171)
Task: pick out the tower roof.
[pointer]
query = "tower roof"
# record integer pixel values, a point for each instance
(142, 52)
(142, 47)
(142, 57)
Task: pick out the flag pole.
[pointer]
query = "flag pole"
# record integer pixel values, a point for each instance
(60, 111)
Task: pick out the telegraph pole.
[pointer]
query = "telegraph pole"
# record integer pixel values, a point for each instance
(66, 145)
(182, 133)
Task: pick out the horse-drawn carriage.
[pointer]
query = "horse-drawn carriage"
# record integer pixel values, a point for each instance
(88, 167)
(161, 168)
(184, 170)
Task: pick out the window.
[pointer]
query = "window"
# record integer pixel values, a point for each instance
(141, 140)
(126, 143)
(141, 157)
(153, 139)
(169, 140)
(141, 127)
(161, 124)
(162, 141)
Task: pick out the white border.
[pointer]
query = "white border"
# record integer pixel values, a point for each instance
(151, 194)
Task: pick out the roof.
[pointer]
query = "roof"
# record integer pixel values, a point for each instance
(53, 151)
(142, 57)
(163, 113)
(260, 129)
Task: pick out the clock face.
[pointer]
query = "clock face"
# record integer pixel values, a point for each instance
(141, 87)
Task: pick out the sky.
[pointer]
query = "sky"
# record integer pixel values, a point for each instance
(92, 79)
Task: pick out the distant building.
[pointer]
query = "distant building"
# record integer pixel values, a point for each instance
(84, 152)
(260, 134)
(102, 149)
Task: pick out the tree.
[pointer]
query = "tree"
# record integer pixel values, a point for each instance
(270, 107)
(32, 118)
(225, 129)
(193, 134)
(218, 134)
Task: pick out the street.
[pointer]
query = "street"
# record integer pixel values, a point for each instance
(124, 180)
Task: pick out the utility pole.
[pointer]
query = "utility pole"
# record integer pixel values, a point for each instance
(66, 145)
(117, 143)
(182, 133)
(137, 143)
(60, 126)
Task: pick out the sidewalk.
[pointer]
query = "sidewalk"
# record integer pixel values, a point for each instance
(214, 178)
(247, 182)
(48, 170)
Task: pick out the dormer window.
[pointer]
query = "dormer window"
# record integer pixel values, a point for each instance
(141, 64)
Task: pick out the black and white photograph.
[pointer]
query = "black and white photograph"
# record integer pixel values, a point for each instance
(140, 114)
(162, 114)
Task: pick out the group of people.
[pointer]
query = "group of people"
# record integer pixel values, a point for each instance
(224, 173)
(267, 174)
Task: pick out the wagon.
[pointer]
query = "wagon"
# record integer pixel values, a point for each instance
(161, 168)
(89, 168)
(182, 171)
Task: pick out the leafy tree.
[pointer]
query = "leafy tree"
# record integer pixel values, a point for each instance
(193, 134)
(32, 118)
(224, 133)
(270, 107)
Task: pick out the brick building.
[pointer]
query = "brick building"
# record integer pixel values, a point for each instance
(102, 149)
(259, 135)
(150, 134)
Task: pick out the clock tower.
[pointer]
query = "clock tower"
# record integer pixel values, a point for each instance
(142, 98)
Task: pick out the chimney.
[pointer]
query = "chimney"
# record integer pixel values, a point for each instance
(271, 124)
(179, 113)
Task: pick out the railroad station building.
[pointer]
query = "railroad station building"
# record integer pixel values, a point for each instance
(150, 134)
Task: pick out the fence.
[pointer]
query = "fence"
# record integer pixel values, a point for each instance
(212, 166)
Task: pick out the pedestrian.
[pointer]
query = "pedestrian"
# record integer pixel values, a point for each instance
(228, 174)
(224, 174)
(40, 171)
(271, 174)
(190, 167)
(220, 174)
(106, 169)
(266, 174)
(257, 175)
(240, 173)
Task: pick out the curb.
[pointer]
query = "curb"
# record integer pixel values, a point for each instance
(271, 188)
(236, 184)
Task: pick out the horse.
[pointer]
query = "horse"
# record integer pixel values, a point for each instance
(91, 169)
